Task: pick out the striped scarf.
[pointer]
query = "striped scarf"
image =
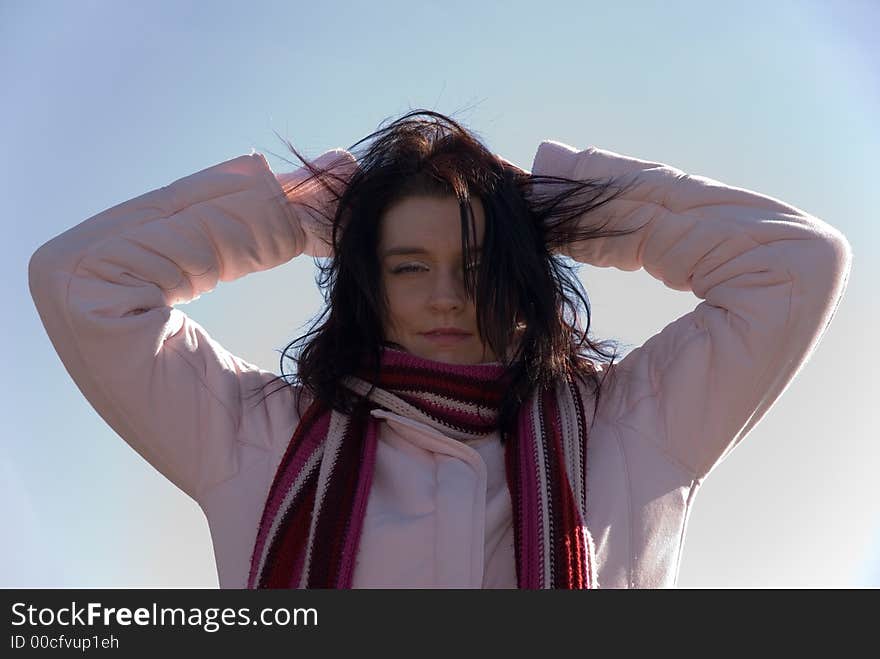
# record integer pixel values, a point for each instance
(311, 523)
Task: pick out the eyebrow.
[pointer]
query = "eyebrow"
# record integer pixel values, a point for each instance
(395, 251)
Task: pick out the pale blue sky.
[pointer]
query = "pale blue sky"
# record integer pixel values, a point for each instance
(106, 100)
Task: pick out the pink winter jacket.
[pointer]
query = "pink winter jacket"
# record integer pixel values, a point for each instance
(769, 277)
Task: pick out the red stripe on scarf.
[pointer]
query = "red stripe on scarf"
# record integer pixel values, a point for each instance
(284, 559)
(566, 523)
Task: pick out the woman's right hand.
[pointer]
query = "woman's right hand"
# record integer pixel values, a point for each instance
(314, 204)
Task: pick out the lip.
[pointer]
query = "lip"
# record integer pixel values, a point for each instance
(446, 335)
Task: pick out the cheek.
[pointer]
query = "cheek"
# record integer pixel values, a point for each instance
(401, 301)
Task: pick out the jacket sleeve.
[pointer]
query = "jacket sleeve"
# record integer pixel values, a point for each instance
(770, 277)
(105, 291)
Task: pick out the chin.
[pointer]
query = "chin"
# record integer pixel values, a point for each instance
(454, 359)
(453, 355)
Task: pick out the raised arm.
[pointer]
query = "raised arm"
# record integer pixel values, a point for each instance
(770, 276)
(105, 288)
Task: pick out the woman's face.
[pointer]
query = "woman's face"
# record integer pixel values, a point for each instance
(421, 264)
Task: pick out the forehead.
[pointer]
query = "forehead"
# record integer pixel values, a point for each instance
(433, 223)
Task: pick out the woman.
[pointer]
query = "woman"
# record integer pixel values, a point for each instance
(450, 423)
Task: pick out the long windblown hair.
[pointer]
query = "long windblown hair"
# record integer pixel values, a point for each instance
(529, 301)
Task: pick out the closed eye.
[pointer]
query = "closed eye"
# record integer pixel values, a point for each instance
(409, 267)
(416, 267)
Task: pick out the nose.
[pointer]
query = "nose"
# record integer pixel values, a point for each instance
(447, 291)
